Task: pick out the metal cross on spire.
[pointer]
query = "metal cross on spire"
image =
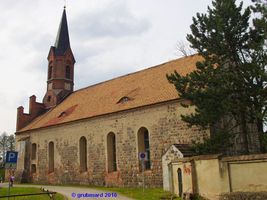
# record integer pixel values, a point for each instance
(65, 3)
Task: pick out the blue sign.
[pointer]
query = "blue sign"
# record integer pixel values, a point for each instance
(143, 156)
(11, 156)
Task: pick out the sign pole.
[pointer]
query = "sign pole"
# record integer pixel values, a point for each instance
(143, 158)
(8, 193)
(11, 163)
(143, 172)
(8, 189)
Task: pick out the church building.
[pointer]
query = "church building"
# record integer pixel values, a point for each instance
(95, 135)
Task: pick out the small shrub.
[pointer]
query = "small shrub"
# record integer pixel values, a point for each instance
(219, 142)
(244, 196)
(198, 197)
(169, 197)
(265, 141)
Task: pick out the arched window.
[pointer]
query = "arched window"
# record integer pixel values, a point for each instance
(50, 69)
(68, 71)
(51, 157)
(143, 145)
(34, 151)
(111, 152)
(83, 154)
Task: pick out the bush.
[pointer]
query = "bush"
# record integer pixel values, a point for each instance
(244, 196)
(219, 142)
(265, 141)
(2, 174)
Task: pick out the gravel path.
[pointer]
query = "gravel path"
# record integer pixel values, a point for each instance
(80, 192)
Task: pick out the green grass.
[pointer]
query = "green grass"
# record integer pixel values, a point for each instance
(137, 193)
(18, 190)
(134, 193)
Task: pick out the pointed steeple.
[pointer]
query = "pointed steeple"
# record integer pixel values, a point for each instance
(62, 41)
(60, 79)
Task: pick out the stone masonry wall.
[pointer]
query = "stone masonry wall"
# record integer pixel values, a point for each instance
(162, 121)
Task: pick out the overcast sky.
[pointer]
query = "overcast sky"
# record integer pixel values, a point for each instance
(109, 38)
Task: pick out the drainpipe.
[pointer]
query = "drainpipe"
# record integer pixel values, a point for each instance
(229, 177)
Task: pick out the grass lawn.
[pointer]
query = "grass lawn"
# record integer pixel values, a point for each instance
(18, 190)
(137, 193)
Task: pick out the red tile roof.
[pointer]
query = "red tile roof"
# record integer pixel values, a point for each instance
(145, 87)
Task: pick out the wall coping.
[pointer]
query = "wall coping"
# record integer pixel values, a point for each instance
(245, 157)
(200, 157)
(223, 159)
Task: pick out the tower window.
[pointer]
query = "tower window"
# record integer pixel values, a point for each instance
(50, 86)
(50, 69)
(68, 71)
(48, 98)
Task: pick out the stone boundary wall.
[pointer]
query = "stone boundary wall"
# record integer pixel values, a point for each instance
(212, 175)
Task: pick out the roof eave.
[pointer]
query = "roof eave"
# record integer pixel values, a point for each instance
(101, 115)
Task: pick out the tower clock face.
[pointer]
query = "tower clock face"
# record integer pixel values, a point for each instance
(50, 86)
(67, 86)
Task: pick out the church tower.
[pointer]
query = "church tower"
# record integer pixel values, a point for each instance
(60, 67)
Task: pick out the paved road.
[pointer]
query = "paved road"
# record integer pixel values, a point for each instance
(82, 193)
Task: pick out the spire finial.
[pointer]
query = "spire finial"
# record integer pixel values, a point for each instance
(65, 4)
(62, 41)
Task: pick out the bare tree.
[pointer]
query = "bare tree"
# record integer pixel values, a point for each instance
(184, 49)
(3, 145)
(11, 143)
(7, 143)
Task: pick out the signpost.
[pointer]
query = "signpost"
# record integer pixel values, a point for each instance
(11, 159)
(143, 158)
(11, 164)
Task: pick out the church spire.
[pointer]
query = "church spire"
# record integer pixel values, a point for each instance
(60, 76)
(62, 41)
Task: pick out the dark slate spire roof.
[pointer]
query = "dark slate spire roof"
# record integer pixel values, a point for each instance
(62, 42)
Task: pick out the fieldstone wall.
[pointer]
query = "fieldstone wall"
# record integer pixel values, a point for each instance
(246, 173)
(162, 121)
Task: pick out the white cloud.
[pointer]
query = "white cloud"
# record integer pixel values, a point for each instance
(114, 20)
